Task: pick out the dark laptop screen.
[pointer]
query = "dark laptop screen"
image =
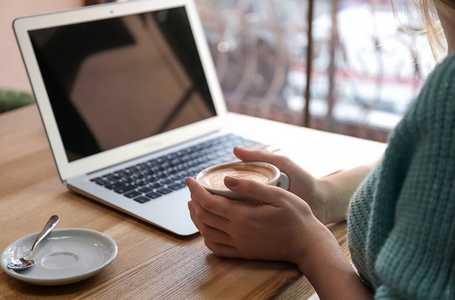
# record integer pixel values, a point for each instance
(112, 82)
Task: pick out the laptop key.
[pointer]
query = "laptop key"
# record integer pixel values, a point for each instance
(111, 177)
(152, 195)
(99, 181)
(155, 185)
(124, 189)
(144, 189)
(176, 185)
(163, 190)
(132, 194)
(141, 199)
(114, 186)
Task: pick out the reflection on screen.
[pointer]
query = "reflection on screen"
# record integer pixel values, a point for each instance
(115, 81)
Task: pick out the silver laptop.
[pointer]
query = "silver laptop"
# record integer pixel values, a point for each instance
(131, 103)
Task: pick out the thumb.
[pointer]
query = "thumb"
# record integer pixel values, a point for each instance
(260, 192)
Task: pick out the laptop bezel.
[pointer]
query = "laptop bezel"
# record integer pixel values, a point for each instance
(136, 149)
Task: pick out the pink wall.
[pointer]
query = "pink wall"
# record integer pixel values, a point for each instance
(12, 70)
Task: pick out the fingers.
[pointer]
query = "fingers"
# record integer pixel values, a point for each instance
(252, 189)
(301, 182)
(200, 215)
(214, 204)
(216, 240)
(282, 162)
(222, 250)
(212, 227)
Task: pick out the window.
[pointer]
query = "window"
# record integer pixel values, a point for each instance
(365, 70)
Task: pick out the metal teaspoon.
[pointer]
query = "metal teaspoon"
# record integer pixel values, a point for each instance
(27, 261)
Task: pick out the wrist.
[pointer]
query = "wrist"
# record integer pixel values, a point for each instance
(337, 189)
(310, 243)
(319, 246)
(329, 271)
(329, 211)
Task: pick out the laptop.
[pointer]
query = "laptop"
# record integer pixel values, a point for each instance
(130, 102)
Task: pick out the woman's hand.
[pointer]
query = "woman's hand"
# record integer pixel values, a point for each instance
(280, 226)
(302, 183)
(328, 197)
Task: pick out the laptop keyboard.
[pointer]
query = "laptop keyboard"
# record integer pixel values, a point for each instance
(166, 174)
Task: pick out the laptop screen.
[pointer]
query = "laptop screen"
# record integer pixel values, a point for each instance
(115, 81)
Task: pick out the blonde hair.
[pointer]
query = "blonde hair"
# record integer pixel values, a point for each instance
(426, 9)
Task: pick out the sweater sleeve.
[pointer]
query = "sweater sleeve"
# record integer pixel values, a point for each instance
(417, 258)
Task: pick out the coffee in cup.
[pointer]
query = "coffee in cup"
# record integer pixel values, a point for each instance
(212, 178)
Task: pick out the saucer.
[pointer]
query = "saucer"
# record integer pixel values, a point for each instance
(67, 255)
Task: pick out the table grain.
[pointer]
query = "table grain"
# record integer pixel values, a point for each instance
(151, 263)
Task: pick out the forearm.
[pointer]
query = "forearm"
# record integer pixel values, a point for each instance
(330, 273)
(337, 190)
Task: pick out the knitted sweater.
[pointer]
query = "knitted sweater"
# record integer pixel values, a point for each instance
(401, 221)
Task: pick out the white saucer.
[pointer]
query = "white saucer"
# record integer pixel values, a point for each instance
(65, 256)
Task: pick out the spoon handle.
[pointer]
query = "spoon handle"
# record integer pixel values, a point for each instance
(47, 228)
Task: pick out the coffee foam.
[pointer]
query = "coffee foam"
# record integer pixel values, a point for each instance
(215, 177)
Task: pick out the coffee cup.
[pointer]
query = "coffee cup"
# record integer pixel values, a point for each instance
(212, 178)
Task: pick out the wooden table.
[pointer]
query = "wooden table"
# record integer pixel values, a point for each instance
(151, 263)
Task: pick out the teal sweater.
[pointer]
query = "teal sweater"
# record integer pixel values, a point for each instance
(401, 221)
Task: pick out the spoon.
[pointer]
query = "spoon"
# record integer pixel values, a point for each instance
(27, 261)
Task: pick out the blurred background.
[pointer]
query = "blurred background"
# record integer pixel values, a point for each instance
(344, 66)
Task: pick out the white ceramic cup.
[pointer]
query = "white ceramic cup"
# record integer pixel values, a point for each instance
(212, 178)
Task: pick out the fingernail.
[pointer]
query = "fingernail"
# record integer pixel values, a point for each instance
(231, 181)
